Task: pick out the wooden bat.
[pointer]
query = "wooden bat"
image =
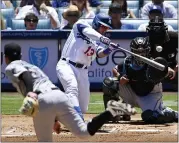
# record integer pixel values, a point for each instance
(145, 60)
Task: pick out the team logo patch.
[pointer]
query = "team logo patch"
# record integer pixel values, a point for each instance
(38, 56)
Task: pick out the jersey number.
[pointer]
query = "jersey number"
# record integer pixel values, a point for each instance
(89, 51)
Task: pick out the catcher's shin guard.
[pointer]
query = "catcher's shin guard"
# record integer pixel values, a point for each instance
(110, 90)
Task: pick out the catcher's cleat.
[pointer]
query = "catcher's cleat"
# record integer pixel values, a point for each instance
(119, 108)
(126, 118)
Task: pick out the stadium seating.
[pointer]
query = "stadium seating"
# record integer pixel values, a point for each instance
(137, 22)
(106, 3)
(16, 3)
(133, 4)
(130, 3)
(172, 2)
(42, 24)
(173, 23)
(8, 14)
(135, 11)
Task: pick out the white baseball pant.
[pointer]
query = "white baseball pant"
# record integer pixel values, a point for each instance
(75, 83)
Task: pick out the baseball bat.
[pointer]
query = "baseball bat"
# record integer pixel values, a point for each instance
(145, 60)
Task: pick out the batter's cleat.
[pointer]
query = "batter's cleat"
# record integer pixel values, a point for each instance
(119, 108)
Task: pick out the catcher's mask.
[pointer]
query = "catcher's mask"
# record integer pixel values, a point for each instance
(140, 46)
(157, 31)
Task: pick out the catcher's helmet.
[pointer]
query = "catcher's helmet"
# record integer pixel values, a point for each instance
(141, 46)
(101, 19)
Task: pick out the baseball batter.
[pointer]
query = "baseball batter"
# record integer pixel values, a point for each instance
(83, 45)
(140, 86)
(44, 101)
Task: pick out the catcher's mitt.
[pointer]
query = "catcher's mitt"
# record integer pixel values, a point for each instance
(154, 75)
(29, 106)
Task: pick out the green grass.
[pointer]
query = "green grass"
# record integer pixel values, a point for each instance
(11, 102)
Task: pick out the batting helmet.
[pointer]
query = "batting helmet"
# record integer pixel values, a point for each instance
(101, 19)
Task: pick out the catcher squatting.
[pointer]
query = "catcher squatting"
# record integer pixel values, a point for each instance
(47, 104)
(139, 85)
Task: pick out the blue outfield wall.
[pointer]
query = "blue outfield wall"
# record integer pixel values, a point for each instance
(43, 49)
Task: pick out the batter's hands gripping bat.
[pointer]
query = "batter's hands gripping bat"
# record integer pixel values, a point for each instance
(144, 59)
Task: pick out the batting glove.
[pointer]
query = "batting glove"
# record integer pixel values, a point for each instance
(114, 46)
(30, 105)
(111, 47)
(105, 40)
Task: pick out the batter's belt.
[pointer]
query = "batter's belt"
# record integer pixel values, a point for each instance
(78, 65)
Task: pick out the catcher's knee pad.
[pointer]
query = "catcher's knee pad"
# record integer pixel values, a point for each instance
(110, 90)
(154, 117)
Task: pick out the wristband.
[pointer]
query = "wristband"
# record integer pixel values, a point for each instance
(107, 51)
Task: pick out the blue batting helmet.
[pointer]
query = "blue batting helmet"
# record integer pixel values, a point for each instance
(101, 19)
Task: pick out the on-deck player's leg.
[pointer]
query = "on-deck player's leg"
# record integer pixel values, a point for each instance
(56, 103)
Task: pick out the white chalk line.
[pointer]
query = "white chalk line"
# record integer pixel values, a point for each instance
(145, 130)
(167, 103)
(33, 134)
(18, 135)
(113, 130)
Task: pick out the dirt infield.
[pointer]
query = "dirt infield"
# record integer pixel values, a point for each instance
(20, 129)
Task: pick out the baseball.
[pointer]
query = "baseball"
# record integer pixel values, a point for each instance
(159, 48)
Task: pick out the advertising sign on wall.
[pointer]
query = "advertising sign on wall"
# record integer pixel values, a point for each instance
(42, 53)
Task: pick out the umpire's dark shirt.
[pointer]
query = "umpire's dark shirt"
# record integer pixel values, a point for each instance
(169, 51)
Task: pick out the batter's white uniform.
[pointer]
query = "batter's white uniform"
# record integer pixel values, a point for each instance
(80, 47)
(52, 102)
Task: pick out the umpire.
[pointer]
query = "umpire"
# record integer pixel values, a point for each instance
(159, 35)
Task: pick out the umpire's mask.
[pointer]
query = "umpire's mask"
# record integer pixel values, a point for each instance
(157, 31)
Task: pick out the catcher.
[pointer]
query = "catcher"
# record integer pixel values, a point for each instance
(139, 84)
(47, 104)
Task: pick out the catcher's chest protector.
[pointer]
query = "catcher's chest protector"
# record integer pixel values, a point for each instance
(138, 80)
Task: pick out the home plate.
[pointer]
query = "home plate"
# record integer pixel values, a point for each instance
(176, 132)
(144, 130)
